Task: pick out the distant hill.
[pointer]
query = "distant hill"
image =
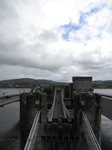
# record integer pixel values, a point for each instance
(27, 82)
(102, 84)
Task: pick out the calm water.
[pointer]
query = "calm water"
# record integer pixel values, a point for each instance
(9, 114)
(9, 120)
(10, 91)
(103, 91)
(9, 117)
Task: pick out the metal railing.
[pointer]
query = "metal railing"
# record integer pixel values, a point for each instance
(94, 145)
(30, 140)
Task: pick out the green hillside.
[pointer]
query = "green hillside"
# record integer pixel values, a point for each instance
(27, 82)
(102, 84)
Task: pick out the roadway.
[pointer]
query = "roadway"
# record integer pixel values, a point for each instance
(58, 110)
(9, 100)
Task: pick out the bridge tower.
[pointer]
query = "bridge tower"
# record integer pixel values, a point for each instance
(29, 104)
(89, 104)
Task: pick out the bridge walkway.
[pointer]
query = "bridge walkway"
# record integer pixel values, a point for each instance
(58, 106)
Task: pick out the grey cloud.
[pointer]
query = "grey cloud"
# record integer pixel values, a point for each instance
(109, 29)
(90, 65)
(21, 72)
(7, 10)
(87, 64)
(11, 72)
(17, 59)
(15, 52)
(11, 45)
(48, 35)
(94, 60)
(101, 74)
(37, 48)
(26, 53)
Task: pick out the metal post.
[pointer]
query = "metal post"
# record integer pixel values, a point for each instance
(3, 98)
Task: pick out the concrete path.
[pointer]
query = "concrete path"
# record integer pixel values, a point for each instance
(58, 106)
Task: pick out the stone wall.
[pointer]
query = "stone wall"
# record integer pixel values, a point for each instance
(82, 84)
(29, 104)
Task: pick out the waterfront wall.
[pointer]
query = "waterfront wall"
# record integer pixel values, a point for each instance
(107, 107)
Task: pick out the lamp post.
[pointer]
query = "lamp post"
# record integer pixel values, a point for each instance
(3, 98)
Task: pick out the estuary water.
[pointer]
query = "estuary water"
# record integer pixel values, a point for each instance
(11, 91)
(9, 117)
(9, 126)
(9, 121)
(103, 91)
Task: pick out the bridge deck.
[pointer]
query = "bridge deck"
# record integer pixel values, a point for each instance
(58, 106)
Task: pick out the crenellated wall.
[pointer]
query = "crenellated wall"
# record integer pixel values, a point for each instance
(82, 84)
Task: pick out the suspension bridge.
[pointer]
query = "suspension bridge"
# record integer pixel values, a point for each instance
(68, 123)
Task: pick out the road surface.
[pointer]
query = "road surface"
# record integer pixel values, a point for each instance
(9, 100)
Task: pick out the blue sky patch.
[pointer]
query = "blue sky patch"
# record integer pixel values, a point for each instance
(75, 27)
(68, 28)
(92, 11)
(88, 37)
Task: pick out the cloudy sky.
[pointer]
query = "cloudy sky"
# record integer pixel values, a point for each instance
(55, 39)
